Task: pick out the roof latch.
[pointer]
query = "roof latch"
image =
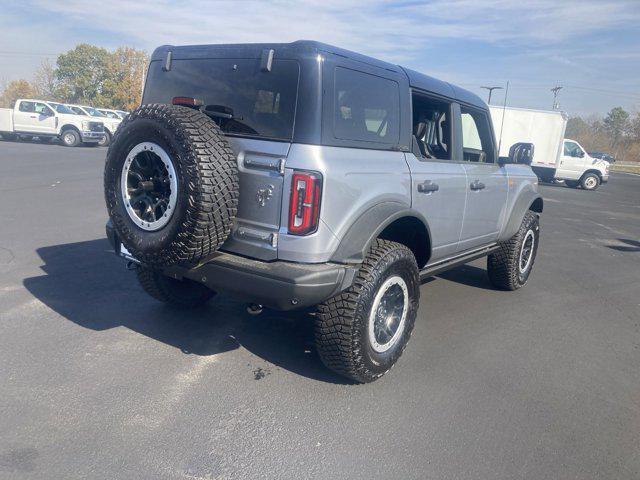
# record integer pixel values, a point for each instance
(266, 60)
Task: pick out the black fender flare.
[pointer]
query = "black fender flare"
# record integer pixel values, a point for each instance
(357, 240)
(527, 200)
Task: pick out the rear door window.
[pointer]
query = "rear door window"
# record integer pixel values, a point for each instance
(249, 101)
(366, 107)
(431, 127)
(26, 107)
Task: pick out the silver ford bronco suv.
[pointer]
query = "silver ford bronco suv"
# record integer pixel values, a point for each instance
(304, 175)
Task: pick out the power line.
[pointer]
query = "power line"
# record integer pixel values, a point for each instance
(28, 54)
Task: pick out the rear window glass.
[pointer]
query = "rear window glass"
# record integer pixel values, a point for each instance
(367, 107)
(254, 102)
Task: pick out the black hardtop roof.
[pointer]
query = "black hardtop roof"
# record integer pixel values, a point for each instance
(311, 47)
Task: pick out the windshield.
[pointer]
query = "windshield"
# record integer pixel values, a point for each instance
(77, 110)
(93, 112)
(241, 98)
(60, 108)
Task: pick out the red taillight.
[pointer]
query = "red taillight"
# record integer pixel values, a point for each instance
(304, 204)
(186, 101)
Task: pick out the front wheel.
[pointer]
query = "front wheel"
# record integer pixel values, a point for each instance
(590, 181)
(510, 266)
(70, 138)
(106, 140)
(362, 332)
(179, 293)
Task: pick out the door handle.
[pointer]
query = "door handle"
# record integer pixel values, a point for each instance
(428, 187)
(477, 185)
(33, 116)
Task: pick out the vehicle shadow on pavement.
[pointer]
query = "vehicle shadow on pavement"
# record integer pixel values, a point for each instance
(631, 245)
(85, 283)
(469, 275)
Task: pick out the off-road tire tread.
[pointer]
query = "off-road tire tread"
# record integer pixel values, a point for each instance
(338, 320)
(502, 265)
(210, 175)
(161, 288)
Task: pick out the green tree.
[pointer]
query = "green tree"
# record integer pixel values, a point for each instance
(617, 124)
(14, 90)
(122, 88)
(81, 73)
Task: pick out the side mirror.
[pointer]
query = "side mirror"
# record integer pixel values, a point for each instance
(579, 153)
(521, 153)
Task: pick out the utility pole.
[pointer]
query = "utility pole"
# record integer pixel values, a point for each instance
(555, 90)
(491, 89)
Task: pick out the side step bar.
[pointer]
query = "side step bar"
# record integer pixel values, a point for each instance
(449, 263)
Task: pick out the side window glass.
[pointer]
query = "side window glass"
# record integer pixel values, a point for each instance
(40, 108)
(366, 107)
(431, 127)
(26, 107)
(477, 141)
(571, 149)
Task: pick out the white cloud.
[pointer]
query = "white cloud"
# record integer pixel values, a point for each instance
(540, 41)
(377, 27)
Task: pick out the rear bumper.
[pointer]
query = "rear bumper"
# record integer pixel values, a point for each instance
(277, 284)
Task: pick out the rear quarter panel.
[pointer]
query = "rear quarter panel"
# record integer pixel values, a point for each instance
(354, 181)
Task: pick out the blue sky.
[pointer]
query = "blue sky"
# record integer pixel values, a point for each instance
(592, 48)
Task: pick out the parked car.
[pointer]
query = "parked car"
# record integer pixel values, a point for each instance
(110, 124)
(602, 156)
(117, 114)
(556, 158)
(210, 188)
(49, 120)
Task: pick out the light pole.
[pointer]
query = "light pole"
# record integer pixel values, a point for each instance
(491, 89)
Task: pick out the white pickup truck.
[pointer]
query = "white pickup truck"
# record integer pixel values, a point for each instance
(42, 119)
(555, 157)
(110, 124)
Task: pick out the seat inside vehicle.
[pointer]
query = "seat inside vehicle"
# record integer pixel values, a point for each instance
(431, 128)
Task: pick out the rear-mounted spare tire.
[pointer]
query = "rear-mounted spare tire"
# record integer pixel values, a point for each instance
(171, 185)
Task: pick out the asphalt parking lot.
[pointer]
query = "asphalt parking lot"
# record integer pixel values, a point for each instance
(97, 380)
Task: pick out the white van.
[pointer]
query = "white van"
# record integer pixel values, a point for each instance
(555, 157)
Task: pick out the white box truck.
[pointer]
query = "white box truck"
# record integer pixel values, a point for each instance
(46, 120)
(555, 157)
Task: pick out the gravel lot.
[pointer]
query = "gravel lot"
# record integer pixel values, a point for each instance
(99, 381)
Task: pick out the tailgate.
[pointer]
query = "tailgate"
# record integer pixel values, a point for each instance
(6, 120)
(261, 169)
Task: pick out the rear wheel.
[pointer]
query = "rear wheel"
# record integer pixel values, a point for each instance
(362, 332)
(590, 181)
(181, 293)
(70, 138)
